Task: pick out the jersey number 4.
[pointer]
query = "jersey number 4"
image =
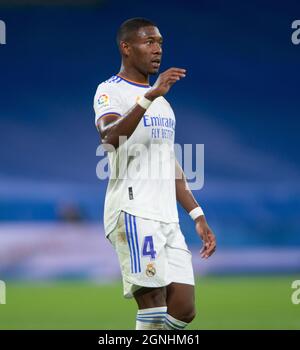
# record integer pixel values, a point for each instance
(148, 247)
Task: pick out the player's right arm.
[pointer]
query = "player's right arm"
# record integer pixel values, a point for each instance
(112, 126)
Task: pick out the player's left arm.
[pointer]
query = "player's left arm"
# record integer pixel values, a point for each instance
(186, 199)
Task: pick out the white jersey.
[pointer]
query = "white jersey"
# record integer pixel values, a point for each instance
(142, 178)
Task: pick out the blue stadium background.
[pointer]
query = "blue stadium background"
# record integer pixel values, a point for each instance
(240, 99)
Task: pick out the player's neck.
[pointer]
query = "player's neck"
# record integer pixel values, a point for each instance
(133, 75)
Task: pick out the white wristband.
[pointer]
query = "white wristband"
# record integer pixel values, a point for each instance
(196, 212)
(144, 102)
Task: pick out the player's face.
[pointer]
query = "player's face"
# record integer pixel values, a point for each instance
(146, 50)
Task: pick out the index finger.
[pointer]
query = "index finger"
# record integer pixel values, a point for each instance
(210, 249)
(178, 70)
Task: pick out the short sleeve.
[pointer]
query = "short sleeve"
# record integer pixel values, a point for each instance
(107, 100)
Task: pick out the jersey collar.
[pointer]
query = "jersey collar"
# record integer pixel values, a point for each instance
(133, 82)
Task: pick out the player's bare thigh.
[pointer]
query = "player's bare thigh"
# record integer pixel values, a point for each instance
(181, 301)
(150, 297)
(178, 297)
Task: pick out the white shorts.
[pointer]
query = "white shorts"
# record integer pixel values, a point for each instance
(151, 253)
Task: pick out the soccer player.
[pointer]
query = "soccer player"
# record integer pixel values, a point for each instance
(137, 126)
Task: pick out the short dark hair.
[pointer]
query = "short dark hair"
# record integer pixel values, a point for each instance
(130, 26)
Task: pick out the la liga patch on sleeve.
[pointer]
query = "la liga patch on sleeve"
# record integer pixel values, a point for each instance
(103, 100)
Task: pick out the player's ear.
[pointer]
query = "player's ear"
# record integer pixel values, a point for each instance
(125, 48)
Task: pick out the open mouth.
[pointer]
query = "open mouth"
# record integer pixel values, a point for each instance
(156, 63)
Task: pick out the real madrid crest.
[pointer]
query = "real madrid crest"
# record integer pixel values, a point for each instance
(150, 270)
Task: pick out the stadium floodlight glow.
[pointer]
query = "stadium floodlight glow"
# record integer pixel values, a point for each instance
(2, 33)
(2, 292)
